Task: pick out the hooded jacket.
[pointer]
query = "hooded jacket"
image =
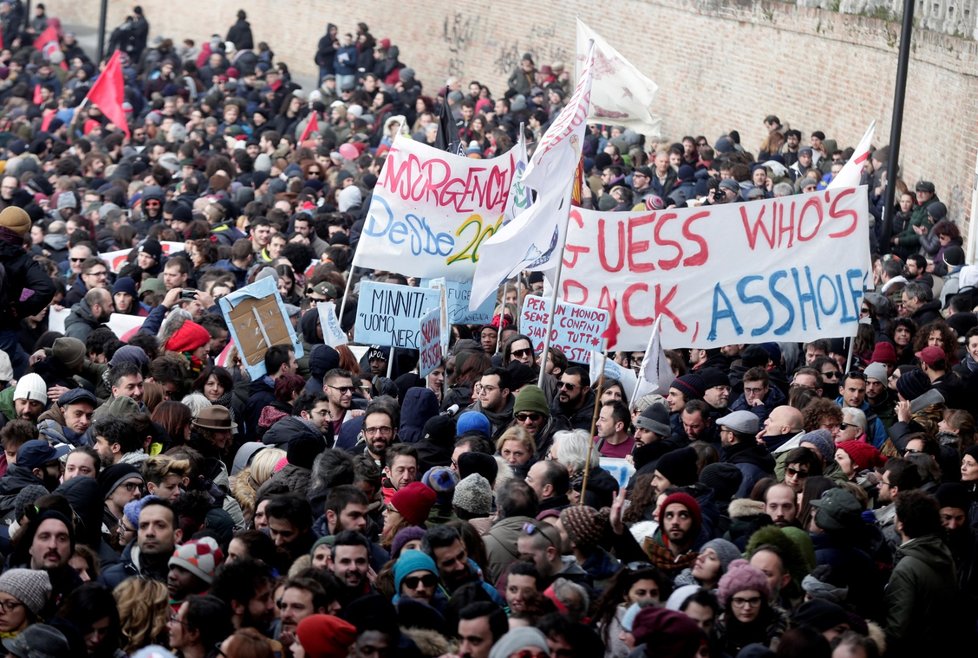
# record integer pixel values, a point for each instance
(81, 321)
(419, 405)
(28, 287)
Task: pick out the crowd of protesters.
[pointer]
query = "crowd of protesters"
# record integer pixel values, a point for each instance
(780, 499)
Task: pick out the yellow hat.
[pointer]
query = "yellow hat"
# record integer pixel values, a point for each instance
(15, 219)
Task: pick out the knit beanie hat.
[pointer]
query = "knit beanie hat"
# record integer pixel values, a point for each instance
(678, 466)
(713, 377)
(741, 576)
(303, 450)
(726, 551)
(403, 536)
(691, 386)
(473, 421)
(129, 354)
(820, 614)
(439, 430)
(442, 480)
(517, 639)
(819, 585)
(188, 338)
(677, 598)
(478, 462)
(69, 351)
(823, 442)
(531, 398)
(26, 498)
(473, 495)
(326, 636)
(912, 384)
(112, 478)
(409, 562)
(667, 633)
(862, 454)
(689, 503)
(585, 525)
(884, 353)
(876, 371)
(201, 557)
(953, 494)
(29, 586)
(414, 502)
(31, 387)
(724, 478)
(15, 219)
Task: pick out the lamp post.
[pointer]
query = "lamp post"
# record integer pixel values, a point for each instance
(896, 125)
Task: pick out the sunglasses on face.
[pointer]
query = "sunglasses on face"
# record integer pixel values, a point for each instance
(523, 352)
(427, 580)
(532, 417)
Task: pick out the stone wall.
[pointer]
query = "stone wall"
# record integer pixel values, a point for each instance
(720, 64)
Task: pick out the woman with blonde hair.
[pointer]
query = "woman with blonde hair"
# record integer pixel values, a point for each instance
(144, 611)
(244, 485)
(517, 448)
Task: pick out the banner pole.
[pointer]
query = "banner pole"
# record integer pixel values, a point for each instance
(346, 289)
(594, 422)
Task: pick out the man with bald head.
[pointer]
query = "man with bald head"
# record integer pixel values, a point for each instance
(783, 424)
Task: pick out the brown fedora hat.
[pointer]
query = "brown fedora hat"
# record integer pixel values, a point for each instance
(215, 417)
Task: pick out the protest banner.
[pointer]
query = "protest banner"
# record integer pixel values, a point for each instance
(457, 295)
(116, 260)
(388, 314)
(333, 334)
(576, 329)
(123, 323)
(430, 346)
(257, 320)
(56, 318)
(431, 210)
(785, 269)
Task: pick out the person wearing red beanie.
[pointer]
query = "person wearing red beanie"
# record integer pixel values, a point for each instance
(324, 636)
(671, 547)
(413, 503)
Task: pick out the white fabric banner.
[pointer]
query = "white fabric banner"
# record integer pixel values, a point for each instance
(620, 94)
(655, 374)
(533, 240)
(852, 171)
(787, 269)
(431, 210)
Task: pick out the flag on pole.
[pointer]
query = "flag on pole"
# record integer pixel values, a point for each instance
(311, 127)
(49, 35)
(108, 92)
(534, 240)
(655, 375)
(620, 94)
(447, 137)
(851, 173)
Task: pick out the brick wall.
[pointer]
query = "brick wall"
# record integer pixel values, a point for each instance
(720, 64)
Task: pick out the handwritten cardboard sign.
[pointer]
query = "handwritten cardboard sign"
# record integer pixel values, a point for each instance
(389, 314)
(430, 347)
(257, 320)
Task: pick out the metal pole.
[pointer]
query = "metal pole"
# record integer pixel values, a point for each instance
(103, 11)
(553, 299)
(896, 125)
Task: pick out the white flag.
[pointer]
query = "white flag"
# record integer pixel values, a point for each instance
(333, 334)
(656, 374)
(851, 173)
(621, 94)
(535, 238)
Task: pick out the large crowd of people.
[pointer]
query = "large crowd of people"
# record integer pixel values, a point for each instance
(816, 499)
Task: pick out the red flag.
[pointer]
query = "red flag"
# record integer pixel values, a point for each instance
(37, 94)
(47, 36)
(46, 120)
(311, 127)
(107, 93)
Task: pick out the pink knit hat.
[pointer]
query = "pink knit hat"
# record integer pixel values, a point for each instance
(741, 576)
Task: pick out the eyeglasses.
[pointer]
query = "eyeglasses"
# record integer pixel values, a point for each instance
(526, 351)
(102, 273)
(9, 605)
(754, 390)
(382, 431)
(831, 374)
(152, 203)
(176, 620)
(568, 386)
(638, 566)
(78, 260)
(532, 529)
(742, 602)
(428, 580)
(845, 426)
(796, 472)
(342, 389)
(522, 417)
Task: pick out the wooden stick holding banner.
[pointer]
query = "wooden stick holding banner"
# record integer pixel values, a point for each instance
(502, 312)
(594, 422)
(346, 288)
